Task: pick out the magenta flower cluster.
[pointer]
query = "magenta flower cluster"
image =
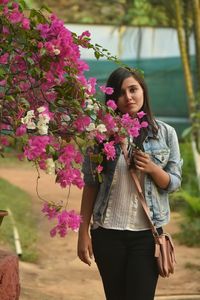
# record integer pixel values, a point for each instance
(48, 106)
(65, 219)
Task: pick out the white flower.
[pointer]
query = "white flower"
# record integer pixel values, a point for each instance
(42, 128)
(28, 118)
(56, 51)
(41, 109)
(44, 118)
(96, 107)
(89, 104)
(90, 127)
(101, 128)
(66, 118)
(30, 125)
(50, 166)
(30, 114)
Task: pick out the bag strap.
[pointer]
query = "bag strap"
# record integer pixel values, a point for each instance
(139, 192)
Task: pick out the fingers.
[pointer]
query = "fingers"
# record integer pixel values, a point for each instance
(141, 160)
(141, 155)
(84, 250)
(85, 257)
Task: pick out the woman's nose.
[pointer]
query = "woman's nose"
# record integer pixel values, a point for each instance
(128, 95)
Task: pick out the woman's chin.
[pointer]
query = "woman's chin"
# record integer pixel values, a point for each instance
(132, 113)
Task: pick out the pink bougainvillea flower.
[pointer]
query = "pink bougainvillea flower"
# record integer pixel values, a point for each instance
(106, 90)
(144, 124)
(4, 141)
(67, 154)
(66, 220)
(99, 169)
(91, 86)
(109, 121)
(141, 114)
(3, 82)
(110, 103)
(15, 17)
(36, 146)
(4, 58)
(134, 131)
(68, 176)
(49, 210)
(100, 136)
(109, 150)
(4, 1)
(25, 23)
(53, 232)
(5, 29)
(84, 34)
(21, 130)
(81, 123)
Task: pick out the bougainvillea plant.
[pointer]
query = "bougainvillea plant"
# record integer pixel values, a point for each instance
(48, 108)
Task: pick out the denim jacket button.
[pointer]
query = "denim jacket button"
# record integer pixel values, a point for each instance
(149, 193)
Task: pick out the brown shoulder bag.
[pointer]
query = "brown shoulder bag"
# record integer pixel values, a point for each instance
(164, 248)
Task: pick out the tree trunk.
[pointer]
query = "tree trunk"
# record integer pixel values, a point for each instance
(196, 20)
(184, 57)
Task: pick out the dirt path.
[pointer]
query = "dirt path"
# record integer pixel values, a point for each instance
(60, 275)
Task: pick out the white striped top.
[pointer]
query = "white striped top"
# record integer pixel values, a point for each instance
(124, 211)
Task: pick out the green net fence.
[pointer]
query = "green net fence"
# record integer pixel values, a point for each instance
(166, 85)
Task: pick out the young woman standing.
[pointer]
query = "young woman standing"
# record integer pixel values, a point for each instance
(120, 237)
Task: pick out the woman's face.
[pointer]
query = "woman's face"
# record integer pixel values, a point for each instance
(131, 98)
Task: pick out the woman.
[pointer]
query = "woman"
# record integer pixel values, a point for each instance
(121, 239)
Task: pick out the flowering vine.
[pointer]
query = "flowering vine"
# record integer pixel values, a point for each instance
(48, 107)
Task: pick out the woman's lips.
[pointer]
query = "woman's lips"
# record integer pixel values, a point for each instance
(130, 104)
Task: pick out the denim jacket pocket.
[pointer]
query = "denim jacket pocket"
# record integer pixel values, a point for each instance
(160, 157)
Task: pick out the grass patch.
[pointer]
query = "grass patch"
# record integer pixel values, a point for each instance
(11, 160)
(193, 267)
(20, 204)
(189, 232)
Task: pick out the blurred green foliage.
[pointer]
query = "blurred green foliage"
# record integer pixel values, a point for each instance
(20, 204)
(187, 200)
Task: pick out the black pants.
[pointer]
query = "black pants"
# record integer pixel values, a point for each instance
(126, 263)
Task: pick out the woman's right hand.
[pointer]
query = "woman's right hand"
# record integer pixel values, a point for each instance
(84, 250)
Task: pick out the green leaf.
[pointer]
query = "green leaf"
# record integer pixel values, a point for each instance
(43, 51)
(50, 150)
(100, 178)
(45, 7)
(10, 98)
(25, 102)
(38, 15)
(32, 13)
(30, 60)
(2, 72)
(23, 4)
(80, 141)
(97, 55)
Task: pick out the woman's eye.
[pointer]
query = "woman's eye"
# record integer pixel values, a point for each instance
(132, 90)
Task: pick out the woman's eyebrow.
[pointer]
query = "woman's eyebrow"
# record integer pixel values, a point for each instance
(130, 86)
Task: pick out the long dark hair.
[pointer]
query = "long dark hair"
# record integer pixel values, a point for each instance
(115, 81)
